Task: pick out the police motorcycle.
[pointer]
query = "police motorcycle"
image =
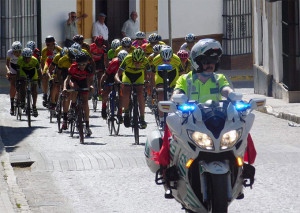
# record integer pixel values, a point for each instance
(207, 149)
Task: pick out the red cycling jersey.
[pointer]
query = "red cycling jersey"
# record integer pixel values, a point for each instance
(113, 66)
(76, 73)
(135, 43)
(96, 52)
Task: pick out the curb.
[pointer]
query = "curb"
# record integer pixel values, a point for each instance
(282, 115)
(241, 78)
(17, 201)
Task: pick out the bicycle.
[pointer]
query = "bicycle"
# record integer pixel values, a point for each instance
(95, 95)
(52, 112)
(78, 121)
(58, 110)
(17, 103)
(112, 109)
(134, 111)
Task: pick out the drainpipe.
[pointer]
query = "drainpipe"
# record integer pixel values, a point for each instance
(170, 22)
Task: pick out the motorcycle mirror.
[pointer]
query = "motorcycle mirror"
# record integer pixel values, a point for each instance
(180, 98)
(257, 103)
(235, 96)
(197, 114)
(167, 106)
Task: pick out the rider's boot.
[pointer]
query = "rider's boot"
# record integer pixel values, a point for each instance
(65, 121)
(143, 124)
(34, 112)
(88, 131)
(103, 111)
(126, 119)
(12, 106)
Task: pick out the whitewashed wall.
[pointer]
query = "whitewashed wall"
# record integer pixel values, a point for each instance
(53, 23)
(201, 17)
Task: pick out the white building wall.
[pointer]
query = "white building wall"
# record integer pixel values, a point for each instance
(257, 33)
(266, 37)
(201, 17)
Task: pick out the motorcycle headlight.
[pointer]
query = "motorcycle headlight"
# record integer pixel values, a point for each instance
(230, 138)
(201, 139)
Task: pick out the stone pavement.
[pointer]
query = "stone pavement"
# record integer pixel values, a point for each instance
(13, 200)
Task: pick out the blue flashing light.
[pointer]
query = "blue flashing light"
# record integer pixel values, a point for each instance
(186, 108)
(164, 67)
(242, 106)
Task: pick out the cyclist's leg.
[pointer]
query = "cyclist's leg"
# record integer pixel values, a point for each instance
(106, 90)
(12, 92)
(45, 83)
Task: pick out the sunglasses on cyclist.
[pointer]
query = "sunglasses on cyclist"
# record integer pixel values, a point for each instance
(74, 16)
(126, 46)
(166, 60)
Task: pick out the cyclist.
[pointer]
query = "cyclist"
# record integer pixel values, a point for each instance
(126, 44)
(64, 63)
(133, 69)
(108, 77)
(99, 55)
(140, 39)
(36, 51)
(28, 65)
(11, 70)
(80, 40)
(53, 69)
(48, 54)
(156, 51)
(114, 45)
(166, 56)
(190, 40)
(185, 61)
(153, 39)
(77, 78)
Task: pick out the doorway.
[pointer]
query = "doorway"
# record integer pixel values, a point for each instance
(117, 12)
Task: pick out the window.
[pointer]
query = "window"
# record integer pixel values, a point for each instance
(18, 22)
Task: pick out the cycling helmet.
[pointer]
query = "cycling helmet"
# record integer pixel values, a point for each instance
(76, 46)
(159, 37)
(157, 48)
(190, 37)
(115, 44)
(183, 54)
(140, 34)
(16, 46)
(204, 51)
(72, 52)
(49, 39)
(126, 41)
(122, 54)
(138, 55)
(99, 41)
(78, 38)
(27, 52)
(166, 53)
(153, 37)
(63, 51)
(31, 45)
(81, 57)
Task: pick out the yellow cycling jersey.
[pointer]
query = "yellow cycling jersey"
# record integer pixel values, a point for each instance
(121, 48)
(29, 69)
(149, 47)
(173, 74)
(64, 62)
(56, 59)
(47, 54)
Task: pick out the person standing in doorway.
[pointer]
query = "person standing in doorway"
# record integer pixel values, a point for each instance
(71, 27)
(131, 26)
(99, 28)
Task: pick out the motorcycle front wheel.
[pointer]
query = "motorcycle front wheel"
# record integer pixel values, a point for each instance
(218, 197)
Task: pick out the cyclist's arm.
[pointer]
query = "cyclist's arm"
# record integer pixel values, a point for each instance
(117, 76)
(39, 71)
(7, 66)
(103, 79)
(66, 82)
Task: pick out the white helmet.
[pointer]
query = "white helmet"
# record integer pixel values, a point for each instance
(140, 34)
(76, 46)
(190, 37)
(122, 54)
(205, 47)
(27, 52)
(16, 46)
(126, 41)
(115, 44)
(157, 48)
(154, 37)
(31, 45)
(166, 53)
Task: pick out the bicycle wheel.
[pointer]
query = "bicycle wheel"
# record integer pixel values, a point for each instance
(79, 123)
(58, 110)
(115, 117)
(95, 95)
(155, 107)
(28, 108)
(72, 124)
(109, 115)
(18, 109)
(135, 120)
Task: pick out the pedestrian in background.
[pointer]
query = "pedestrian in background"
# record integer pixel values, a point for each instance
(99, 28)
(131, 26)
(71, 27)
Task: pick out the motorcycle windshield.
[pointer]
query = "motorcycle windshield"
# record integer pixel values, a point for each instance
(214, 120)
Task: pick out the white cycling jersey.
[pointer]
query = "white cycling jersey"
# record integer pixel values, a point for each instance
(13, 61)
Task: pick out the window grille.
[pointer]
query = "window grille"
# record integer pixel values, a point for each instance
(237, 27)
(18, 22)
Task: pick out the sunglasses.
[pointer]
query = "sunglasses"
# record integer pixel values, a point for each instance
(141, 39)
(82, 64)
(166, 60)
(126, 46)
(74, 16)
(48, 44)
(207, 60)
